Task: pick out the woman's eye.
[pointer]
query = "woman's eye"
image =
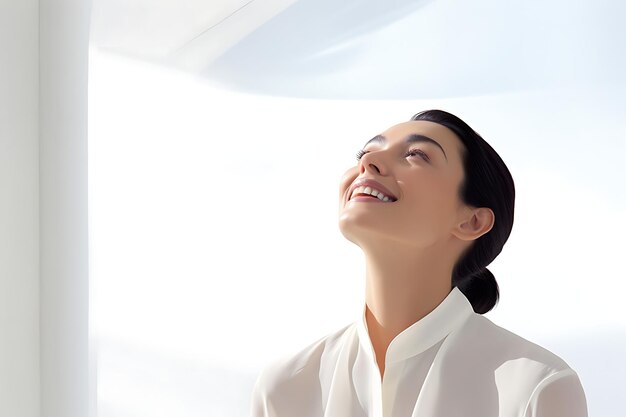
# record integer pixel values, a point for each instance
(412, 152)
(417, 151)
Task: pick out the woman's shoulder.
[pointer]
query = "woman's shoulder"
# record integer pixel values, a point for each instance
(507, 344)
(294, 378)
(485, 360)
(305, 362)
(503, 353)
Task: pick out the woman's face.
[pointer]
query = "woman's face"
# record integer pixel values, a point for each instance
(423, 175)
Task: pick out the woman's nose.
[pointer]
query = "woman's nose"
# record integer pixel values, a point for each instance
(375, 168)
(370, 162)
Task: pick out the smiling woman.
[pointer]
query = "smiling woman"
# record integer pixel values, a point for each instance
(431, 204)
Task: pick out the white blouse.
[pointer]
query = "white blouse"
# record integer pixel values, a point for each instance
(451, 363)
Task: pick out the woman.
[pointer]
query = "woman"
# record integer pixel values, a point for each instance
(431, 204)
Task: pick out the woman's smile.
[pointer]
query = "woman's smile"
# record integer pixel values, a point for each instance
(368, 199)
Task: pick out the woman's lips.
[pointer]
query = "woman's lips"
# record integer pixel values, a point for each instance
(370, 199)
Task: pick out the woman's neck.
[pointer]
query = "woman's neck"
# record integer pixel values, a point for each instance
(402, 288)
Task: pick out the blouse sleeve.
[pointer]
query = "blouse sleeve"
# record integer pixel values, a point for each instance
(260, 404)
(560, 394)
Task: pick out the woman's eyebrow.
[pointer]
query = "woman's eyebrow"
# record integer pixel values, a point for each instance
(412, 138)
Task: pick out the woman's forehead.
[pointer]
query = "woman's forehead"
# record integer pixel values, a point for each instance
(418, 126)
(446, 137)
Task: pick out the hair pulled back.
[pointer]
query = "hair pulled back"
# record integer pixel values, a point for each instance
(487, 183)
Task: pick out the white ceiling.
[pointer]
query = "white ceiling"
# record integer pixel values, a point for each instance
(370, 49)
(186, 33)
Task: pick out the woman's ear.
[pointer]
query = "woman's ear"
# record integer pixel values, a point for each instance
(476, 223)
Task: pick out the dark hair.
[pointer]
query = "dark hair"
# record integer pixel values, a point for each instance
(487, 183)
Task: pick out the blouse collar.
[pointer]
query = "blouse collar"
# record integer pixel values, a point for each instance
(424, 333)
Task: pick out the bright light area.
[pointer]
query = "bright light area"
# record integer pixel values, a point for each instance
(214, 244)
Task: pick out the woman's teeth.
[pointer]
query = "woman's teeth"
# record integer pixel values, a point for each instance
(370, 191)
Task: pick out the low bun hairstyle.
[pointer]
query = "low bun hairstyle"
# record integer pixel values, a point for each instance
(487, 183)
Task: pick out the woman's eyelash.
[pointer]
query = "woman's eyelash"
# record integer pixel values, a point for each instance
(359, 154)
(417, 151)
(411, 152)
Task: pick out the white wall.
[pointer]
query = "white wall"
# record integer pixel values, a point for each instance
(44, 289)
(19, 200)
(64, 283)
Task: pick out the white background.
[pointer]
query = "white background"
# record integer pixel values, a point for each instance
(188, 282)
(215, 245)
